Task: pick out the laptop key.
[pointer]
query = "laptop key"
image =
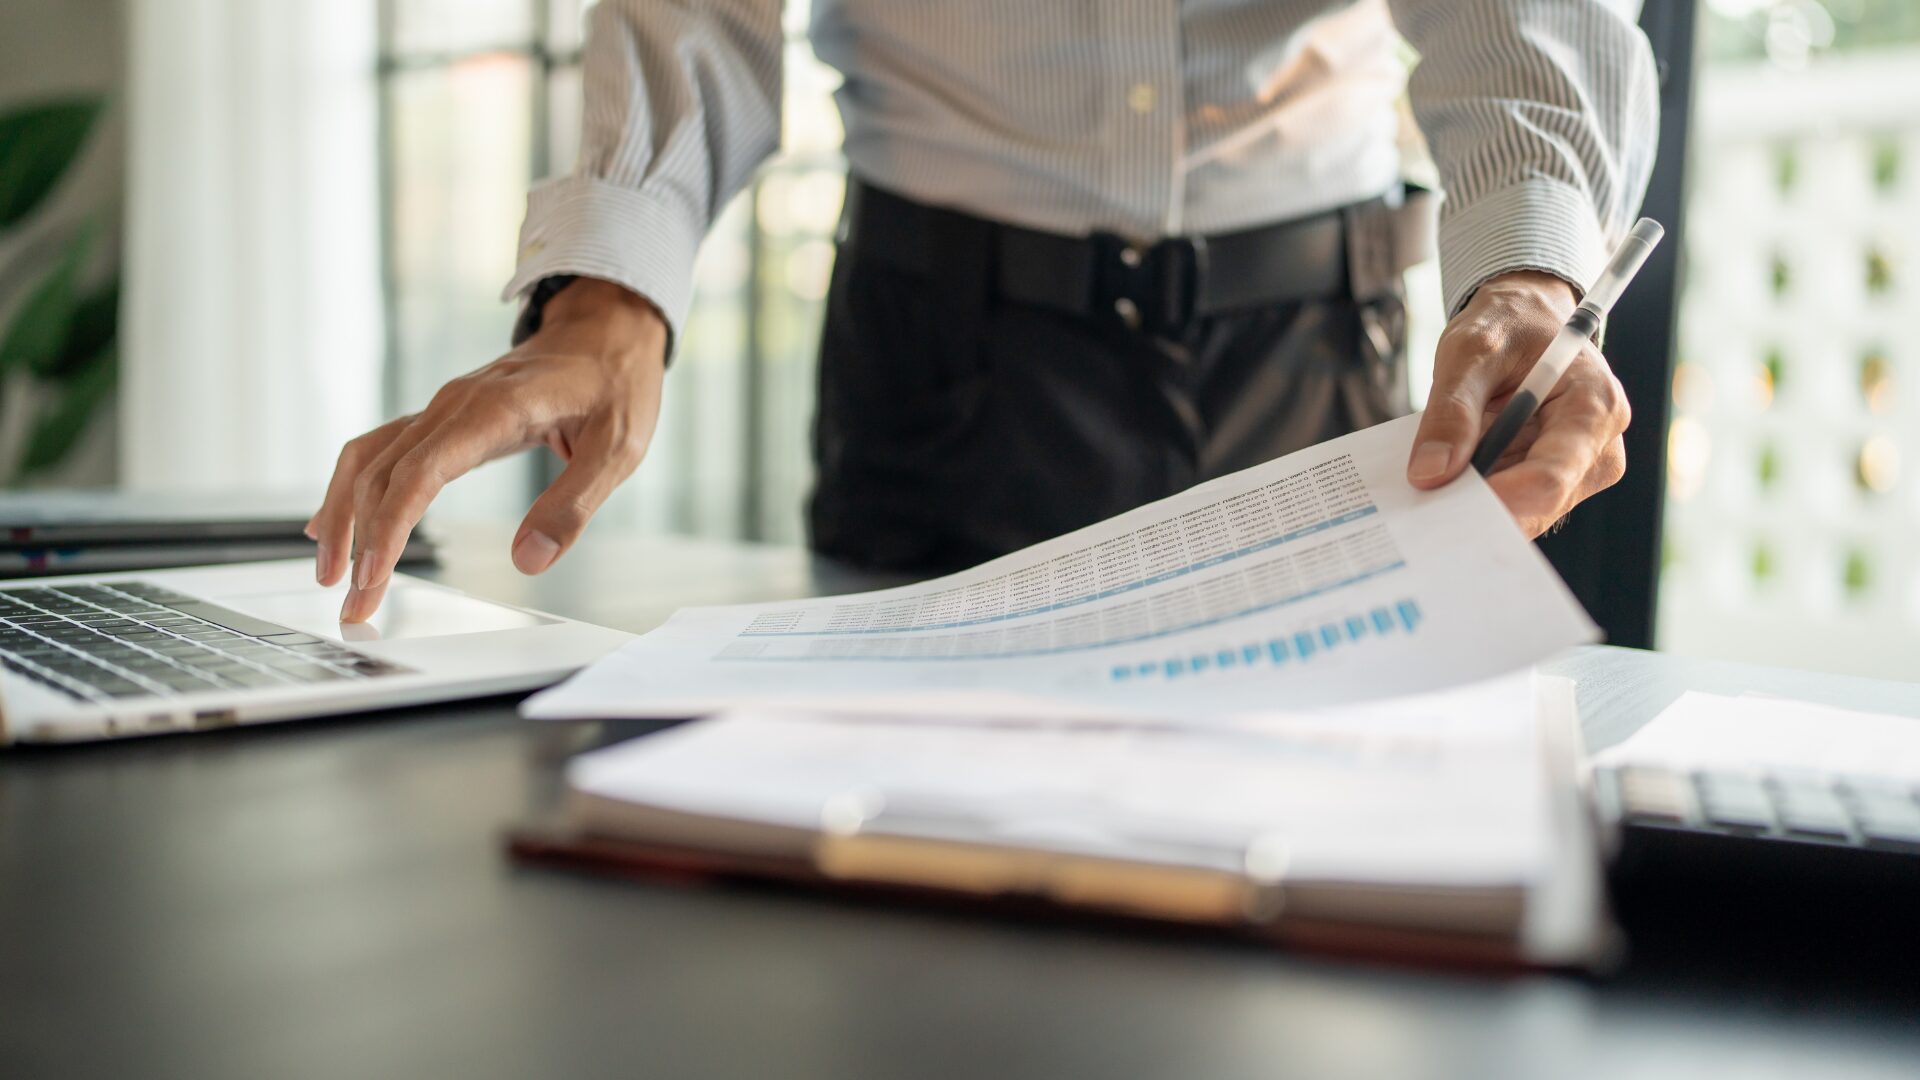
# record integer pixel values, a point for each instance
(1655, 794)
(185, 682)
(251, 677)
(167, 646)
(1886, 816)
(201, 658)
(232, 620)
(115, 686)
(1810, 808)
(38, 648)
(1734, 801)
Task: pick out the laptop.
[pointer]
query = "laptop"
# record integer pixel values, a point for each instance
(99, 532)
(108, 655)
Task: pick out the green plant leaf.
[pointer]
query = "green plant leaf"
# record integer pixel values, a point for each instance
(39, 331)
(37, 144)
(60, 425)
(94, 326)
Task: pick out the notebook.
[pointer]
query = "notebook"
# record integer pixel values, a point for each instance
(1441, 827)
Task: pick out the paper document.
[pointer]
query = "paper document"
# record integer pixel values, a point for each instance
(1455, 810)
(1317, 578)
(1775, 735)
(1449, 788)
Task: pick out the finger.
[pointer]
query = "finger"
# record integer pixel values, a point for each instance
(332, 524)
(1577, 452)
(371, 485)
(602, 457)
(459, 444)
(1463, 386)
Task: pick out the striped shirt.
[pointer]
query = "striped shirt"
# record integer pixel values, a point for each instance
(1147, 118)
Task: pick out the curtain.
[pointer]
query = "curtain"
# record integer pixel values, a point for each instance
(253, 336)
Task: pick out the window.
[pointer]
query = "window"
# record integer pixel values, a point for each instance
(480, 99)
(1792, 498)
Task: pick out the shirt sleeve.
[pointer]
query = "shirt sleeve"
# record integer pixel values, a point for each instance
(682, 103)
(1542, 117)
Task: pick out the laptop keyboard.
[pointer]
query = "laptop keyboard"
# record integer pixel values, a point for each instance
(1853, 811)
(134, 639)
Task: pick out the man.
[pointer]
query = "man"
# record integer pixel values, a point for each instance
(1094, 251)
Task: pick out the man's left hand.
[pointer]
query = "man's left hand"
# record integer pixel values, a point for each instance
(1572, 446)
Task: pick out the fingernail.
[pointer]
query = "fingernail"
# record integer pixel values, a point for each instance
(322, 562)
(363, 572)
(1430, 461)
(346, 607)
(534, 552)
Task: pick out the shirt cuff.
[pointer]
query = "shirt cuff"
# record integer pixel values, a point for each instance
(590, 228)
(1539, 224)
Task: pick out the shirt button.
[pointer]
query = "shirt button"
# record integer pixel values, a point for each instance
(1141, 98)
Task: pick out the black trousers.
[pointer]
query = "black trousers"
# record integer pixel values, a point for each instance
(950, 432)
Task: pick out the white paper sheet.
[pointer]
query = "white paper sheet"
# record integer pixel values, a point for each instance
(1775, 735)
(1441, 789)
(1318, 578)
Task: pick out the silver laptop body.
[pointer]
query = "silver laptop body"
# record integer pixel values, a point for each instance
(108, 655)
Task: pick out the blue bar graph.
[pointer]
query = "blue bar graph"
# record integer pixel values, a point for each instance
(1303, 646)
(1409, 614)
(1403, 617)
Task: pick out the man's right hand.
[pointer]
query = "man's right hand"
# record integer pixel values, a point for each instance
(587, 385)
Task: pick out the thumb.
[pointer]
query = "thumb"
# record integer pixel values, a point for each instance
(1450, 425)
(561, 512)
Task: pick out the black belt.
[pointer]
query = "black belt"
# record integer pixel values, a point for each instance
(1355, 252)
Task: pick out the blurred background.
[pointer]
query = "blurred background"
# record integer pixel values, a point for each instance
(234, 233)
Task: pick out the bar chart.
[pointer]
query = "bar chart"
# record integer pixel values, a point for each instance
(1397, 620)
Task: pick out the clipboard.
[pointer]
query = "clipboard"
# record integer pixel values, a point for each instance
(929, 857)
(882, 884)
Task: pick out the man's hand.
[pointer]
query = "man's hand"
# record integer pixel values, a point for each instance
(587, 385)
(1568, 451)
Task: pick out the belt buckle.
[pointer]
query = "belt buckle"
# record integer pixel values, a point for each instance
(1155, 288)
(1180, 272)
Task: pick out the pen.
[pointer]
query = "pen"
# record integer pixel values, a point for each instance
(1580, 327)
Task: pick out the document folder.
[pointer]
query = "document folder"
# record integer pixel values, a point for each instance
(928, 854)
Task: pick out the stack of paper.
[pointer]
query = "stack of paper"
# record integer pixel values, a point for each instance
(1448, 813)
(1756, 733)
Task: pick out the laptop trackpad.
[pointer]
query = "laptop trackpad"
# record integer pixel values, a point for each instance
(409, 611)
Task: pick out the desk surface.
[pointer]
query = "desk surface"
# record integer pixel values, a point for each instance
(329, 898)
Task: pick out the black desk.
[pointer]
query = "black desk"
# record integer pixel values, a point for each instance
(329, 899)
